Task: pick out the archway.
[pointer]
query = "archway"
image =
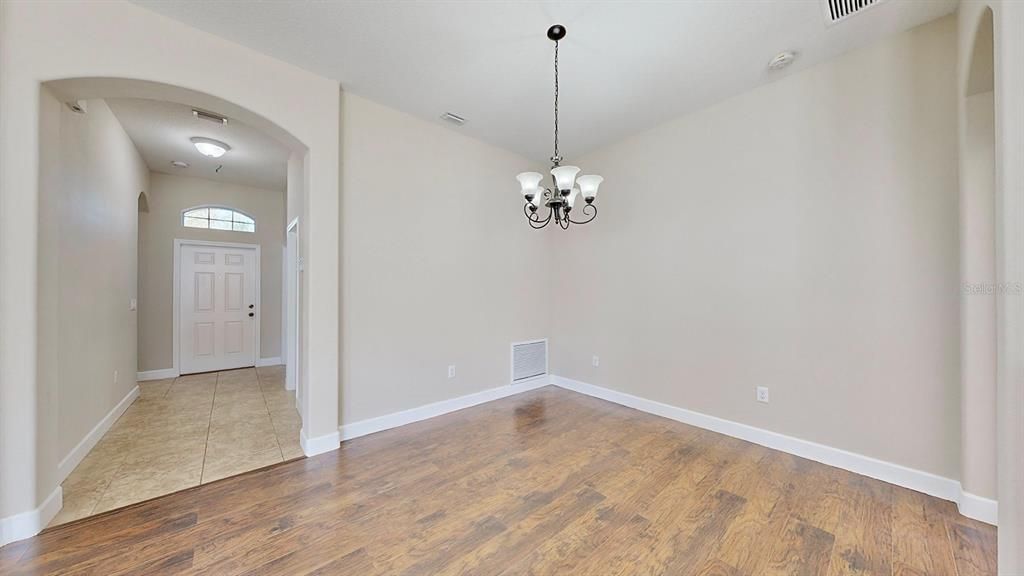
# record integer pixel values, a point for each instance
(175, 434)
(139, 44)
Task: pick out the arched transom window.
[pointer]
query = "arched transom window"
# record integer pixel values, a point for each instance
(217, 218)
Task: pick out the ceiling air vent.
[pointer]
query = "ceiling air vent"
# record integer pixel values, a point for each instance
(209, 117)
(529, 360)
(838, 10)
(453, 118)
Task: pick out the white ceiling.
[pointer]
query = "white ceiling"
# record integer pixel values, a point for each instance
(162, 131)
(625, 66)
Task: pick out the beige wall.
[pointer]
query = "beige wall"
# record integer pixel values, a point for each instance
(802, 236)
(92, 177)
(169, 196)
(439, 266)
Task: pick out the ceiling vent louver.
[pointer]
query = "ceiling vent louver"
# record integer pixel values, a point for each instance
(453, 118)
(838, 10)
(209, 117)
(529, 360)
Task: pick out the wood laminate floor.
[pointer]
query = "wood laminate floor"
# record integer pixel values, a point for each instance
(546, 482)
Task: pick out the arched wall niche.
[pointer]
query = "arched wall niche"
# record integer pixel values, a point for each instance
(1007, 41)
(979, 290)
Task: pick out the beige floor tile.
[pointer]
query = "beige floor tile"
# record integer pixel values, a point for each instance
(241, 438)
(148, 475)
(291, 450)
(154, 388)
(271, 371)
(184, 431)
(74, 508)
(229, 464)
(238, 387)
(242, 411)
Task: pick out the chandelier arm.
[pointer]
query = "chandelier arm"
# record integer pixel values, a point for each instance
(538, 224)
(534, 219)
(592, 212)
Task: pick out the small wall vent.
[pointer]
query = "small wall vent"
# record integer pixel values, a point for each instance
(838, 10)
(529, 360)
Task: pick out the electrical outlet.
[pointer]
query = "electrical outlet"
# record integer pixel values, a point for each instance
(115, 376)
(133, 304)
(451, 371)
(762, 394)
(595, 361)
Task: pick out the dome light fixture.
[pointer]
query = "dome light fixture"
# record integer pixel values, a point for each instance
(210, 147)
(561, 201)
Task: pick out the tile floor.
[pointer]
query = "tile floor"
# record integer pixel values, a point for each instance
(183, 432)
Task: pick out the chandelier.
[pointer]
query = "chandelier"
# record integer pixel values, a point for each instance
(568, 189)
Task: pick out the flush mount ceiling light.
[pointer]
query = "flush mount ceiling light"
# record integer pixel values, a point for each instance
(567, 188)
(781, 60)
(179, 164)
(210, 147)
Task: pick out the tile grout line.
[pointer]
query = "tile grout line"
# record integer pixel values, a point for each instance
(277, 436)
(209, 424)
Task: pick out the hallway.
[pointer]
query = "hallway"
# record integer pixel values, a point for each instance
(183, 432)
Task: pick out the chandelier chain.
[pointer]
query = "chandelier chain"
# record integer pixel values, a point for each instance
(556, 101)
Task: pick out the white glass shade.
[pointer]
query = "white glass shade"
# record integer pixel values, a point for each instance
(530, 182)
(210, 147)
(565, 176)
(573, 196)
(588, 185)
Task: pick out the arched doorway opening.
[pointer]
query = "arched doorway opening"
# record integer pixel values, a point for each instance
(115, 217)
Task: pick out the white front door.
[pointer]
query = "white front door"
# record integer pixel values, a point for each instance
(218, 308)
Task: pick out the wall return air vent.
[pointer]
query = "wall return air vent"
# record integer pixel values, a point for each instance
(838, 10)
(529, 360)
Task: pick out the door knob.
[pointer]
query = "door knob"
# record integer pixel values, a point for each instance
(251, 314)
(251, 306)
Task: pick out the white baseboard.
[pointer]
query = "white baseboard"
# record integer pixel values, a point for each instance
(320, 444)
(946, 488)
(86, 444)
(977, 507)
(156, 374)
(396, 419)
(32, 522)
(262, 362)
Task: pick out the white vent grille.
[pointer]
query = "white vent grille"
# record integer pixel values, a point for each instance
(836, 10)
(529, 360)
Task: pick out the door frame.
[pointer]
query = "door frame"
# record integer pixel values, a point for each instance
(176, 297)
(291, 340)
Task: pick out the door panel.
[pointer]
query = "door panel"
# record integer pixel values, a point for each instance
(218, 308)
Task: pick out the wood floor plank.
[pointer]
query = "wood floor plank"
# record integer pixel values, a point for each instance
(920, 542)
(863, 538)
(547, 482)
(974, 549)
(803, 549)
